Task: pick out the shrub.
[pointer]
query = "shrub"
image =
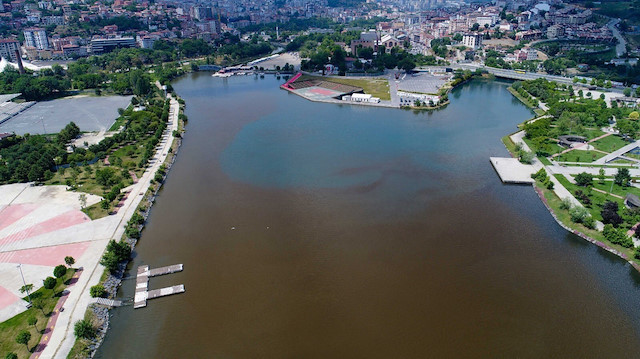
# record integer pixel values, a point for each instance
(589, 222)
(527, 157)
(84, 329)
(610, 213)
(578, 214)
(566, 203)
(617, 236)
(59, 271)
(98, 291)
(49, 282)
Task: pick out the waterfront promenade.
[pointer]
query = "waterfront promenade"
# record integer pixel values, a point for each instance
(62, 338)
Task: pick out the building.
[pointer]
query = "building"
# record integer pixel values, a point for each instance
(473, 41)
(555, 31)
(37, 38)
(409, 99)
(8, 49)
(102, 45)
(361, 97)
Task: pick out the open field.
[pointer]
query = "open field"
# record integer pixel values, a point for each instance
(609, 143)
(377, 87)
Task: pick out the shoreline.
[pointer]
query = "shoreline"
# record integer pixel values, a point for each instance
(98, 313)
(448, 87)
(540, 192)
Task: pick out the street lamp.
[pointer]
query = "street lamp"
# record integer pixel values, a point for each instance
(25, 283)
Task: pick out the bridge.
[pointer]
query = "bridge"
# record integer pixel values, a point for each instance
(514, 74)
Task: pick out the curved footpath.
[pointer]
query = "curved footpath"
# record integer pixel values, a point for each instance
(62, 337)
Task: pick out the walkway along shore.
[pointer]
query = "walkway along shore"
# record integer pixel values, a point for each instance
(141, 194)
(598, 243)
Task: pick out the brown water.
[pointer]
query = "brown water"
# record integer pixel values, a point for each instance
(363, 233)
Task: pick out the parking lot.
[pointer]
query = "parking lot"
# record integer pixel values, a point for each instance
(89, 113)
(421, 82)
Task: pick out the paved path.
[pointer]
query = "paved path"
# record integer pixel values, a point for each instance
(62, 338)
(621, 47)
(607, 193)
(612, 156)
(54, 317)
(582, 145)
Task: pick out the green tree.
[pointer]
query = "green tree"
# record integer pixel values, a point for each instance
(97, 291)
(11, 355)
(33, 321)
(23, 338)
(622, 177)
(49, 282)
(28, 288)
(69, 261)
(584, 179)
(39, 303)
(59, 271)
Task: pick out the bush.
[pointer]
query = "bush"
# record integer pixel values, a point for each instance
(617, 236)
(566, 203)
(59, 271)
(527, 157)
(589, 222)
(49, 282)
(84, 329)
(610, 214)
(578, 214)
(98, 291)
(11, 355)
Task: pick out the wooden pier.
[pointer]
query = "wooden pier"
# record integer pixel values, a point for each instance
(142, 284)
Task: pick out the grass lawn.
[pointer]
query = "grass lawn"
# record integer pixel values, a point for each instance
(86, 179)
(375, 86)
(10, 328)
(580, 156)
(618, 190)
(609, 143)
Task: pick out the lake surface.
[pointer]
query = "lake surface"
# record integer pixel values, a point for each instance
(312, 230)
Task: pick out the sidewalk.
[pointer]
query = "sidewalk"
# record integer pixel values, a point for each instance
(54, 317)
(62, 338)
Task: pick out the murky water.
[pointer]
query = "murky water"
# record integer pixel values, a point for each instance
(363, 233)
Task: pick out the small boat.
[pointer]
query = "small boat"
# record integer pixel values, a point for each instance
(262, 75)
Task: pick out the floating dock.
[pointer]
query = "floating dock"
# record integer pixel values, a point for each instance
(142, 284)
(511, 170)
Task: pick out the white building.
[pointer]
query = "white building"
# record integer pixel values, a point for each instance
(473, 41)
(36, 37)
(409, 99)
(361, 97)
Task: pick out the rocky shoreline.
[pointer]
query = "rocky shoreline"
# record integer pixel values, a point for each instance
(101, 313)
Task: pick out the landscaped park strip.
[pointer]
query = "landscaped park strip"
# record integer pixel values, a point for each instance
(526, 102)
(553, 203)
(97, 314)
(44, 301)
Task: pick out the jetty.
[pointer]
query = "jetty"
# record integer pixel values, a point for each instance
(511, 170)
(142, 284)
